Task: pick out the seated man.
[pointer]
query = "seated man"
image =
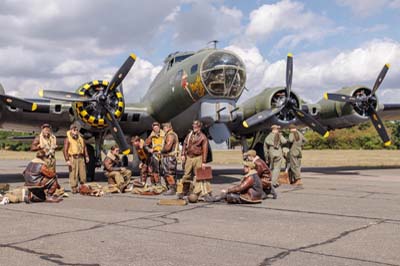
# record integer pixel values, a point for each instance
(114, 171)
(41, 182)
(248, 191)
(263, 172)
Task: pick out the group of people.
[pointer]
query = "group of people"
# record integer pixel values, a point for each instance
(158, 155)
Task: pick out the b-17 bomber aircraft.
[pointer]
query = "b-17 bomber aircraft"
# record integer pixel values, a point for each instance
(204, 85)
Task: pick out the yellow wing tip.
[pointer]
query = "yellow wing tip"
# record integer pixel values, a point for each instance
(133, 56)
(290, 55)
(326, 134)
(127, 151)
(34, 106)
(326, 96)
(41, 93)
(245, 124)
(388, 143)
(388, 65)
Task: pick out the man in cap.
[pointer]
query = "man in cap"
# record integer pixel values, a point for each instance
(75, 154)
(169, 153)
(296, 142)
(273, 146)
(46, 142)
(154, 144)
(263, 172)
(194, 155)
(40, 180)
(248, 191)
(115, 173)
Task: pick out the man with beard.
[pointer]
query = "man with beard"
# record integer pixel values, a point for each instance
(40, 180)
(75, 154)
(46, 142)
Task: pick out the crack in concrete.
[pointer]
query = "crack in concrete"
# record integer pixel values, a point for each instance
(270, 260)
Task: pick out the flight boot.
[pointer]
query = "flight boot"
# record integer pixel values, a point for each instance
(171, 185)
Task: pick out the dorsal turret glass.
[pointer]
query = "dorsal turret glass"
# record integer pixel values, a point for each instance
(223, 74)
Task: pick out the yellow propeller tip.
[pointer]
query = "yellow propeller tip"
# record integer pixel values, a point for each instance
(326, 134)
(388, 143)
(127, 151)
(290, 55)
(388, 65)
(41, 93)
(34, 106)
(245, 124)
(133, 56)
(326, 96)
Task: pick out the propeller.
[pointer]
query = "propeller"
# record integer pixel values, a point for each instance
(100, 102)
(18, 103)
(288, 105)
(365, 104)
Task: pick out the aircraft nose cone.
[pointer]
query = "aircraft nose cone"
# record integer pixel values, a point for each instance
(224, 74)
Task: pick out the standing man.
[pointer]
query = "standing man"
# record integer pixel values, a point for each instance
(154, 144)
(46, 142)
(194, 155)
(115, 173)
(263, 172)
(273, 144)
(144, 157)
(75, 154)
(296, 141)
(169, 153)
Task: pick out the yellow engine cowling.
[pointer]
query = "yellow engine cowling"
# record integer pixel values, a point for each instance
(91, 113)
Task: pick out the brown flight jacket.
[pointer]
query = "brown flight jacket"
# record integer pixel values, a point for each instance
(263, 172)
(195, 144)
(112, 163)
(250, 187)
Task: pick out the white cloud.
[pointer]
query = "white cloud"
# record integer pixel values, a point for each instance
(364, 8)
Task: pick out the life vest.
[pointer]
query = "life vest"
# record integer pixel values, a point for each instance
(76, 146)
(157, 141)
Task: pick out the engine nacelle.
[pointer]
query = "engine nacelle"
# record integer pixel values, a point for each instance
(92, 114)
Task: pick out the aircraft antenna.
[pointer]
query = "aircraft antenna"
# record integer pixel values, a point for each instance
(214, 42)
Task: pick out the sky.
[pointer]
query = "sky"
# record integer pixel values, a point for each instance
(59, 45)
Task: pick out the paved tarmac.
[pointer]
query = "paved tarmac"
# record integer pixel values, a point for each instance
(342, 216)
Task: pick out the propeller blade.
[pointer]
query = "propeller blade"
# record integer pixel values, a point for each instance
(117, 133)
(380, 78)
(289, 75)
(339, 97)
(260, 117)
(377, 122)
(18, 103)
(64, 96)
(311, 122)
(121, 73)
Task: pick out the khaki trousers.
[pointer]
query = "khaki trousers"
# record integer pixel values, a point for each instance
(77, 170)
(191, 164)
(121, 178)
(276, 165)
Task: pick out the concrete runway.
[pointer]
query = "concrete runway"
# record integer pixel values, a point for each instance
(342, 216)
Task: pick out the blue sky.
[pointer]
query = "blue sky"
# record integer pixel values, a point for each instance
(62, 44)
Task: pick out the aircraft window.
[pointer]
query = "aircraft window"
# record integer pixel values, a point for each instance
(135, 117)
(57, 108)
(193, 69)
(182, 57)
(223, 74)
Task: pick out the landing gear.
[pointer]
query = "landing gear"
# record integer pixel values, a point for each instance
(91, 165)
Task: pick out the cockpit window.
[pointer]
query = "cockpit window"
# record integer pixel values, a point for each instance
(223, 74)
